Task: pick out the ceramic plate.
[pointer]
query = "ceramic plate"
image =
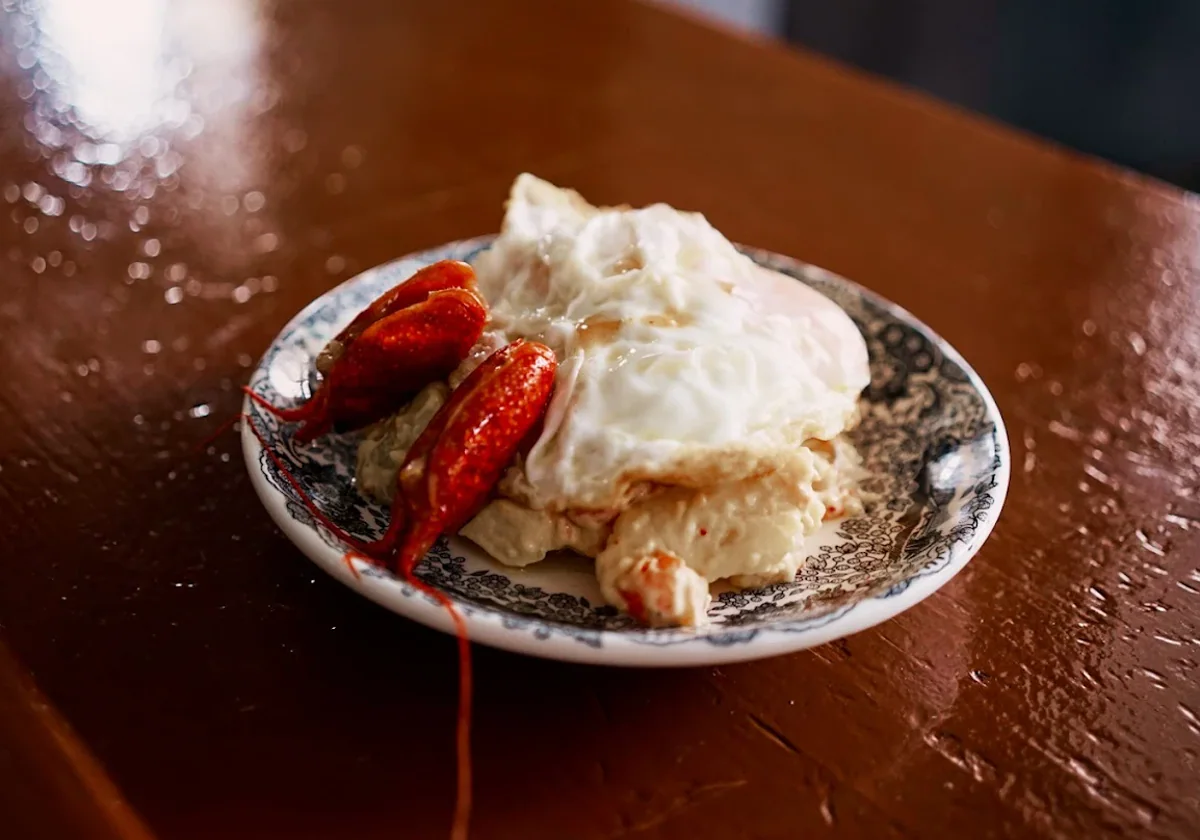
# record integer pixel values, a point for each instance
(931, 438)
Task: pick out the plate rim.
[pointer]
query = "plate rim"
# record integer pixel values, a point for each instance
(488, 626)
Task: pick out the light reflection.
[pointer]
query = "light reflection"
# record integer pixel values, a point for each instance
(106, 63)
(119, 92)
(121, 71)
(222, 40)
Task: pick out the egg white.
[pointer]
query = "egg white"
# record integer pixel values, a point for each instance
(682, 362)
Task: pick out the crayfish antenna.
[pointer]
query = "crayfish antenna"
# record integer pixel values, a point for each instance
(222, 429)
(305, 498)
(312, 416)
(287, 415)
(409, 558)
(462, 799)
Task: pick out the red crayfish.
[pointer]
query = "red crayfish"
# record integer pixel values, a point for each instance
(416, 333)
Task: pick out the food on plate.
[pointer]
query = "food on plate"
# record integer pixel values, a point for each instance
(618, 382)
(622, 383)
(694, 429)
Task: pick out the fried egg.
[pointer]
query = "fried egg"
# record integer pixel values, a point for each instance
(681, 361)
(693, 432)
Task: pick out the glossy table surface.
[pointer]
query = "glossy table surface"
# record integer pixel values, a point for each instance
(178, 178)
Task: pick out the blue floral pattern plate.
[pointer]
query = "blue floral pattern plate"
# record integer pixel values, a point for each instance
(931, 439)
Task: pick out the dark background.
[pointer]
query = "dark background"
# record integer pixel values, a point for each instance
(1119, 79)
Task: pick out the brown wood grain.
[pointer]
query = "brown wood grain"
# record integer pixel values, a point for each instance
(229, 690)
(53, 786)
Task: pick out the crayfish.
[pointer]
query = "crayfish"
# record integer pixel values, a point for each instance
(416, 333)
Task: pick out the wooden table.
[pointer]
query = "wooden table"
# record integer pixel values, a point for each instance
(172, 667)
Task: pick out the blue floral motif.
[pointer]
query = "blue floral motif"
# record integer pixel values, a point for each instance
(929, 436)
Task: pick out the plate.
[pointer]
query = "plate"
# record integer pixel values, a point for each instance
(931, 439)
